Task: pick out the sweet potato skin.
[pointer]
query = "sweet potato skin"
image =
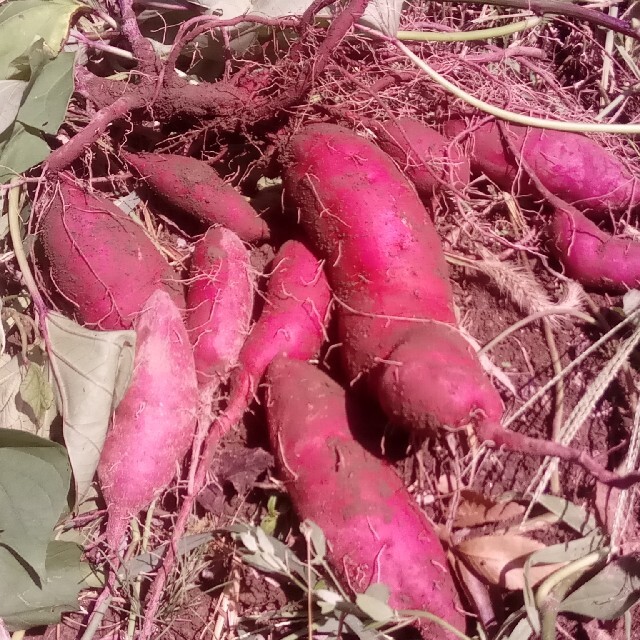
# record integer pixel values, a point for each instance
(219, 302)
(425, 156)
(293, 318)
(591, 256)
(192, 186)
(382, 254)
(375, 530)
(100, 260)
(433, 378)
(573, 167)
(153, 425)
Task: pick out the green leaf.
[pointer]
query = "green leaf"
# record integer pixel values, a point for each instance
(22, 22)
(578, 518)
(515, 627)
(36, 392)
(376, 609)
(45, 105)
(563, 552)
(522, 631)
(249, 541)
(43, 109)
(610, 593)
(92, 369)
(319, 543)
(258, 561)
(20, 149)
(34, 484)
(11, 92)
(150, 561)
(24, 603)
(264, 541)
(379, 591)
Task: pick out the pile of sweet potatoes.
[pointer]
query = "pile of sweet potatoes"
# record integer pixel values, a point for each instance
(367, 254)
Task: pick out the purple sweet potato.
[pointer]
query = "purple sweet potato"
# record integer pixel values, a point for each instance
(292, 323)
(219, 302)
(293, 318)
(571, 166)
(425, 156)
(385, 264)
(192, 186)
(376, 532)
(153, 425)
(591, 256)
(99, 260)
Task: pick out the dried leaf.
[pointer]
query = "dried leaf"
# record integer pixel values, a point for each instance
(500, 559)
(475, 509)
(93, 369)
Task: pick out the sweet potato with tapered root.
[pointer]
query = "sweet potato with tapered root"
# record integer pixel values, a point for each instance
(385, 264)
(192, 186)
(292, 323)
(153, 425)
(573, 167)
(425, 156)
(592, 256)
(219, 302)
(99, 261)
(376, 532)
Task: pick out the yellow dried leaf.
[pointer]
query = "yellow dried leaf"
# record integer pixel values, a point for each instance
(475, 509)
(500, 560)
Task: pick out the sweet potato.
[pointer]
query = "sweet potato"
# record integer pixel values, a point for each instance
(382, 254)
(192, 186)
(425, 156)
(291, 323)
(591, 256)
(153, 425)
(573, 167)
(219, 302)
(99, 260)
(376, 532)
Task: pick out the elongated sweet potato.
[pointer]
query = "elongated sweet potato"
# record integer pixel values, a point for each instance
(153, 425)
(591, 256)
(376, 532)
(219, 302)
(292, 323)
(425, 156)
(193, 187)
(573, 167)
(99, 260)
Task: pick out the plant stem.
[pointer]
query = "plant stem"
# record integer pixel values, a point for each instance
(465, 36)
(567, 9)
(532, 318)
(18, 249)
